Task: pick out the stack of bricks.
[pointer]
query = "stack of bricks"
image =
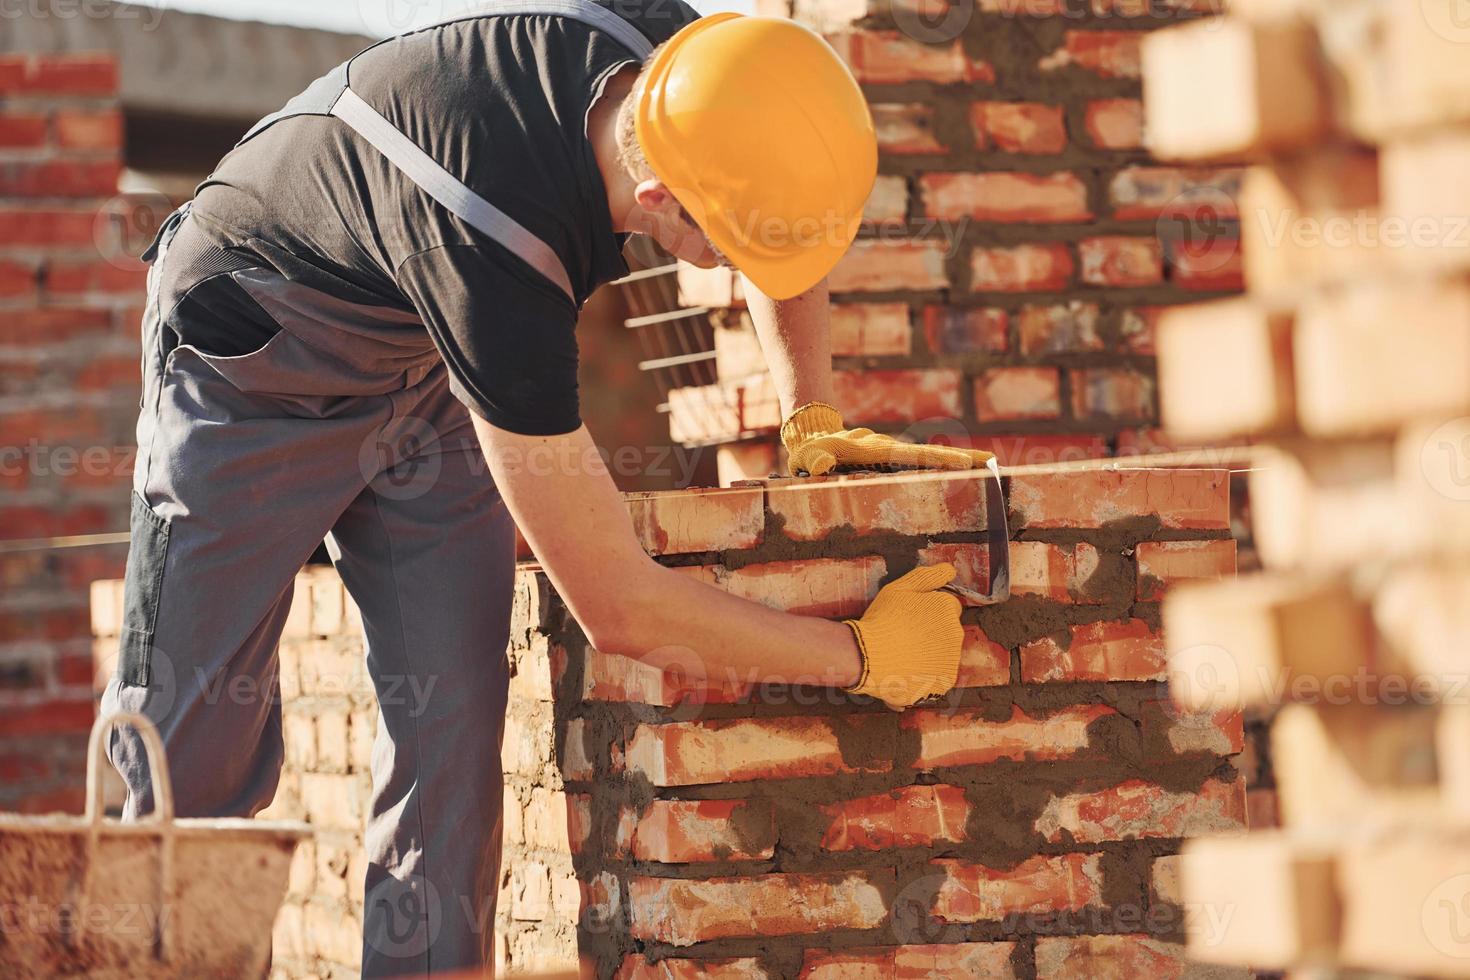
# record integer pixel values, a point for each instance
(1018, 247)
(660, 825)
(329, 718)
(1351, 355)
(69, 314)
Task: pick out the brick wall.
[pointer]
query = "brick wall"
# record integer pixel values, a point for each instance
(1019, 246)
(69, 298)
(1351, 355)
(1022, 827)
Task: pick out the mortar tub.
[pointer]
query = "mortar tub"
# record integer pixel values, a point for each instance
(156, 897)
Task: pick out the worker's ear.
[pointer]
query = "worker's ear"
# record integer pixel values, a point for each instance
(654, 197)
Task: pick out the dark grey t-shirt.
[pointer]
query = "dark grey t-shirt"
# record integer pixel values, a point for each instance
(501, 103)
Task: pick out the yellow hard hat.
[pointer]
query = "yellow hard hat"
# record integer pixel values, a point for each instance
(762, 134)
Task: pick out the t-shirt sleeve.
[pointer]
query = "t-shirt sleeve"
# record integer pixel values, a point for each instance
(510, 346)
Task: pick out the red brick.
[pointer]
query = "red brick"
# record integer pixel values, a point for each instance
(886, 264)
(971, 562)
(1031, 450)
(1139, 328)
(1115, 124)
(47, 717)
(77, 130)
(59, 178)
(905, 128)
(106, 373)
(829, 587)
(1120, 260)
(579, 821)
(682, 913)
(976, 893)
(1107, 54)
(1006, 197)
(78, 74)
(871, 330)
(46, 227)
(740, 750)
(890, 57)
(1127, 650)
(65, 799)
(930, 504)
(868, 397)
(983, 662)
(686, 831)
(611, 677)
(94, 277)
(17, 279)
(711, 519)
(1018, 393)
(1113, 393)
(1213, 265)
(1061, 573)
(1171, 730)
(990, 960)
(22, 130)
(636, 967)
(1019, 127)
(1139, 809)
(1063, 328)
(966, 738)
(1262, 809)
(1111, 958)
(888, 202)
(956, 330)
(1021, 269)
(1164, 563)
(1181, 499)
(912, 816)
(1191, 198)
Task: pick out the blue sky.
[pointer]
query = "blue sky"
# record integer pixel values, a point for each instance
(375, 17)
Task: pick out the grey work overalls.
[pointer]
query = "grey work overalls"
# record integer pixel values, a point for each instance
(341, 426)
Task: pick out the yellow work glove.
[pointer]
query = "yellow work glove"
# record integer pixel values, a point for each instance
(910, 638)
(817, 443)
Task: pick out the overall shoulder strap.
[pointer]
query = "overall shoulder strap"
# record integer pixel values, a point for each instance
(449, 190)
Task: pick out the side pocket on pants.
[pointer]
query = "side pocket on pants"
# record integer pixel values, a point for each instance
(142, 587)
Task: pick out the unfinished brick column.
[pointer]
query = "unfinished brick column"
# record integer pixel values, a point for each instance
(1018, 246)
(69, 314)
(1352, 355)
(1022, 827)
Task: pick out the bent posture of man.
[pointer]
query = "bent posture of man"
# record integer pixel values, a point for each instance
(374, 295)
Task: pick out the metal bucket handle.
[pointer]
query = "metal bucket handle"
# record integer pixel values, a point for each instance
(161, 819)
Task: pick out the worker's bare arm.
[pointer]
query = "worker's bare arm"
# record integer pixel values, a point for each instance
(795, 337)
(567, 506)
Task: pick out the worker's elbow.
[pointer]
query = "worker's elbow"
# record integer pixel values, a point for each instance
(612, 630)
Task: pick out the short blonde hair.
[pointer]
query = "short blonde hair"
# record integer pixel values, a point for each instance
(630, 151)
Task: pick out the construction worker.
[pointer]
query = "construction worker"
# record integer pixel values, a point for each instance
(374, 296)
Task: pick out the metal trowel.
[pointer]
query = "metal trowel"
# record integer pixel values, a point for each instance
(998, 547)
